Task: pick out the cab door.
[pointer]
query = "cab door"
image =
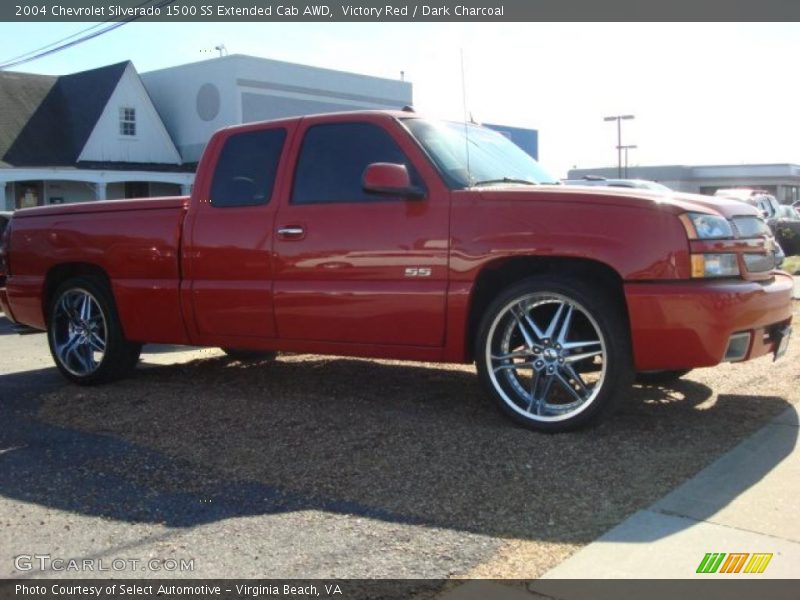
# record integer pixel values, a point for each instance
(227, 250)
(353, 266)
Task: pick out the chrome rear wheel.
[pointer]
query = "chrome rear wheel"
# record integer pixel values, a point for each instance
(79, 332)
(85, 334)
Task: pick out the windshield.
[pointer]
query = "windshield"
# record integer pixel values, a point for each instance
(493, 158)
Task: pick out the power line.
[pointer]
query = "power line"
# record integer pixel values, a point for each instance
(62, 47)
(64, 44)
(50, 45)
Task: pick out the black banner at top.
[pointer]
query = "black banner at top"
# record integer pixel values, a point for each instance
(398, 10)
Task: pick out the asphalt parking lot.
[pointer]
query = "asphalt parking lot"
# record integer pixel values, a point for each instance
(329, 467)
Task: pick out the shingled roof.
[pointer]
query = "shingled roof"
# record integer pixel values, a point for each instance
(46, 121)
(20, 95)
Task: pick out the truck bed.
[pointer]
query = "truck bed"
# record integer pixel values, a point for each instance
(102, 206)
(135, 243)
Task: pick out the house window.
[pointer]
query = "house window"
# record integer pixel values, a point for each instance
(127, 121)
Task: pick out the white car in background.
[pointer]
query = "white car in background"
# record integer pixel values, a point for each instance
(761, 199)
(642, 184)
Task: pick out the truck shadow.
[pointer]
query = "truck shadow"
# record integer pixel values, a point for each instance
(9, 328)
(195, 443)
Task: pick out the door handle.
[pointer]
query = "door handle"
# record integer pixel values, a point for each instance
(291, 232)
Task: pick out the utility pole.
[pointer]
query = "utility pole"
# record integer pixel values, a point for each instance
(626, 148)
(619, 119)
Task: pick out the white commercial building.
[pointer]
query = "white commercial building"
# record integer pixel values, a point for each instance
(781, 180)
(196, 99)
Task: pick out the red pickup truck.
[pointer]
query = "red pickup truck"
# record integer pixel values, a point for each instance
(385, 234)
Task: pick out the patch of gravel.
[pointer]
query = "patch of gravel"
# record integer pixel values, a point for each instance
(421, 441)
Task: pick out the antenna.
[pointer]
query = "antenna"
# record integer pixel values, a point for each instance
(466, 127)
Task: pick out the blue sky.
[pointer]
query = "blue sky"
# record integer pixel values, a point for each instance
(701, 93)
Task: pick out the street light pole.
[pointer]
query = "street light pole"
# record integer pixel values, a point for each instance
(619, 119)
(626, 148)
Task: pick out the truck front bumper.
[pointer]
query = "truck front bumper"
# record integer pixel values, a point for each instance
(701, 323)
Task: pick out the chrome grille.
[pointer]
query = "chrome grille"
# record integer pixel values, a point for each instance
(758, 263)
(751, 227)
(755, 227)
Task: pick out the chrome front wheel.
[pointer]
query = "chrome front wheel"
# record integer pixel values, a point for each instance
(550, 355)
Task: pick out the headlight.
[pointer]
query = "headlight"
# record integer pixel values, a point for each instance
(715, 265)
(700, 226)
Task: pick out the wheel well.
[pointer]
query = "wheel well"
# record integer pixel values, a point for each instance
(61, 273)
(498, 275)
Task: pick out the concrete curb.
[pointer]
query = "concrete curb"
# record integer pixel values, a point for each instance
(745, 502)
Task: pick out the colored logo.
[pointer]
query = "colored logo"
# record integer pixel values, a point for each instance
(734, 562)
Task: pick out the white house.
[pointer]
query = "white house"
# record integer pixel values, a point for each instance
(85, 136)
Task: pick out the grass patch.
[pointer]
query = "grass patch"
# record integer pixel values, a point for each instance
(791, 265)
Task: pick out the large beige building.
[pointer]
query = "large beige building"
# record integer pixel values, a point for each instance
(781, 180)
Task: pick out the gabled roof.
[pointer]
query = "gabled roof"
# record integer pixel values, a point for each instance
(20, 95)
(65, 113)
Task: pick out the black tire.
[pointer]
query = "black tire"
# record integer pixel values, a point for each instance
(660, 377)
(74, 338)
(588, 350)
(245, 355)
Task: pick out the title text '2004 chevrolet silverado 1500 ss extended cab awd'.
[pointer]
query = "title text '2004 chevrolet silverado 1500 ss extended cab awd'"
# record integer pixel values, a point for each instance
(384, 234)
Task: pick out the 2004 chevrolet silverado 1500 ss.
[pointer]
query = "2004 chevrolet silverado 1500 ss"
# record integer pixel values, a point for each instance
(388, 235)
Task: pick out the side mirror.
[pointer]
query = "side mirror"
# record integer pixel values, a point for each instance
(390, 179)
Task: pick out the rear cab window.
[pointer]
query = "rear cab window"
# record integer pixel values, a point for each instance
(246, 168)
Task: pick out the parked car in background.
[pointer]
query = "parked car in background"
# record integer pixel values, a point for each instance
(786, 227)
(782, 219)
(641, 184)
(796, 207)
(761, 199)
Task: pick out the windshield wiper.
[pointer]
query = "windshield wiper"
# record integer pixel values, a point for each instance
(504, 180)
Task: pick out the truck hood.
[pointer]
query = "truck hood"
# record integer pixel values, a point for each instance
(104, 206)
(675, 202)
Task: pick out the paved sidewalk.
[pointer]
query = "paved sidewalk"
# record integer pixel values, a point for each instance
(747, 501)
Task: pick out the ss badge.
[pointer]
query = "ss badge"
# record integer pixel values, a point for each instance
(418, 272)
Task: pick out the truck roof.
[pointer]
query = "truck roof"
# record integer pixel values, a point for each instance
(388, 114)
